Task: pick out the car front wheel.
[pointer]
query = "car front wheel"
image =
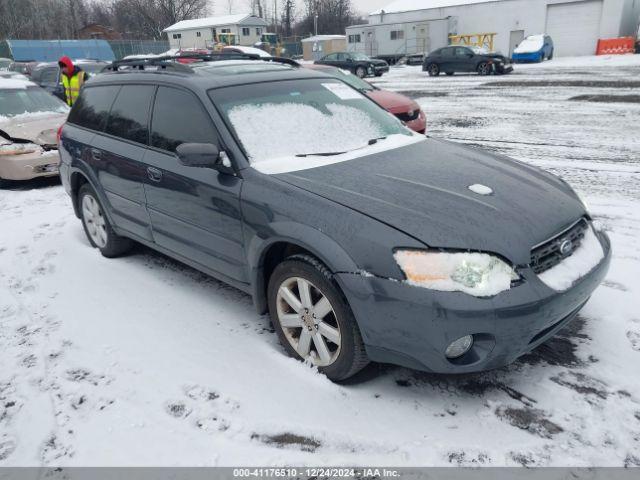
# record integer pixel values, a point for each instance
(313, 319)
(97, 227)
(361, 72)
(433, 69)
(484, 69)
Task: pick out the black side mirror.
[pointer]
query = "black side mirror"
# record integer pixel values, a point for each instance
(204, 155)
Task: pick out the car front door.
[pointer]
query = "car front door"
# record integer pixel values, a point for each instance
(464, 60)
(195, 212)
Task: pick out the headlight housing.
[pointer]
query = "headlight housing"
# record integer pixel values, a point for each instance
(477, 274)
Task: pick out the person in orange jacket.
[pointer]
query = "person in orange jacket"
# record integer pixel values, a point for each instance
(73, 77)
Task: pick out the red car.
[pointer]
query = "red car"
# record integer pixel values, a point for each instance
(402, 107)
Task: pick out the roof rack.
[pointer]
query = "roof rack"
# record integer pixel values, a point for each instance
(170, 62)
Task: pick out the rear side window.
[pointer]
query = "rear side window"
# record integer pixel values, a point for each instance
(129, 117)
(91, 110)
(179, 117)
(447, 52)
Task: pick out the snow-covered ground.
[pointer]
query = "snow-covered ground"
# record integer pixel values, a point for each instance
(144, 361)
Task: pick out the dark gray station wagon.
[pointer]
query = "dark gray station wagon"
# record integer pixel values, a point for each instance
(364, 240)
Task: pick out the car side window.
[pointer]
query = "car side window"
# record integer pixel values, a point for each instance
(129, 117)
(447, 52)
(463, 52)
(342, 57)
(179, 117)
(332, 57)
(91, 110)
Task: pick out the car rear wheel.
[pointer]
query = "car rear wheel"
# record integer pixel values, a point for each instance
(361, 72)
(313, 319)
(433, 69)
(97, 227)
(484, 69)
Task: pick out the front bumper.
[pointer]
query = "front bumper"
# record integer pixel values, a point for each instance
(412, 326)
(419, 124)
(379, 69)
(527, 57)
(503, 68)
(28, 166)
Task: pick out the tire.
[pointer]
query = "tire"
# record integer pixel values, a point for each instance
(97, 227)
(342, 359)
(483, 69)
(433, 69)
(361, 72)
(449, 74)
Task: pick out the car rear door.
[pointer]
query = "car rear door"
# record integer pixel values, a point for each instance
(195, 212)
(116, 156)
(446, 61)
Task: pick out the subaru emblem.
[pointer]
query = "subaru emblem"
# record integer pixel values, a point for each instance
(566, 247)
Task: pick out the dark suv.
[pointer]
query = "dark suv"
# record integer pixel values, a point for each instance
(466, 59)
(364, 240)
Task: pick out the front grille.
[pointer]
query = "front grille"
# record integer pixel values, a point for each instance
(408, 117)
(548, 254)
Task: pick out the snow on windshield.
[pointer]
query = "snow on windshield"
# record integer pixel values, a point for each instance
(530, 44)
(340, 129)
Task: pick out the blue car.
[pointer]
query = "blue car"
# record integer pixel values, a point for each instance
(534, 48)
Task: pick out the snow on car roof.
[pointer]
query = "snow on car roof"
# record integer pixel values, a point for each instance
(7, 82)
(412, 5)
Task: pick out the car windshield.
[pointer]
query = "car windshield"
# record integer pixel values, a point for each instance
(318, 117)
(352, 80)
(360, 57)
(479, 50)
(18, 101)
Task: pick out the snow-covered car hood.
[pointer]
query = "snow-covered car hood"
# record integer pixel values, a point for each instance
(423, 191)
(39, 128)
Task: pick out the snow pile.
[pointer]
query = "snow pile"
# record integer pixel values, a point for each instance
(584, 259)
(307, 130)
(27, 117)
(477, 274)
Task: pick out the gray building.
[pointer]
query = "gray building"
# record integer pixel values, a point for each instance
(416, 26)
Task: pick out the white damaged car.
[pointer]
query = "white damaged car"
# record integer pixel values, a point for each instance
(29, 120)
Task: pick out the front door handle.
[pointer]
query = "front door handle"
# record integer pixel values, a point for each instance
(96, 154)
(155, 175)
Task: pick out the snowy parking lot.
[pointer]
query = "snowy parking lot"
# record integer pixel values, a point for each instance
(144, 361)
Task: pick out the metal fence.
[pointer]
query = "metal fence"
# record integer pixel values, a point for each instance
(123, 48)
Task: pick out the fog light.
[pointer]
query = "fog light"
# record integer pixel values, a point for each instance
(459, 347)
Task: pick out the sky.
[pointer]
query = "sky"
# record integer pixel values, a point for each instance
(220, 7)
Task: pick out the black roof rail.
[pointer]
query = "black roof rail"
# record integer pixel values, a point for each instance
(170, 62)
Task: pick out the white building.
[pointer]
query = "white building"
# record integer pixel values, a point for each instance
(200, 32)
(415, 26)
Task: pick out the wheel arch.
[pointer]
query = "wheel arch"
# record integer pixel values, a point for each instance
(77, 178)
(265, 254)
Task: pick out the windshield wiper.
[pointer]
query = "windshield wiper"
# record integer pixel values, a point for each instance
(373, 141)
(321, 154)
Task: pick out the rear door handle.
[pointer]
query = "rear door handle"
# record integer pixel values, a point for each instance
(155, 175)
(96, 154)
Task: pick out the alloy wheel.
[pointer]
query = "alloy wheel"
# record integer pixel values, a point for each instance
(94, 221)
(308, 321)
